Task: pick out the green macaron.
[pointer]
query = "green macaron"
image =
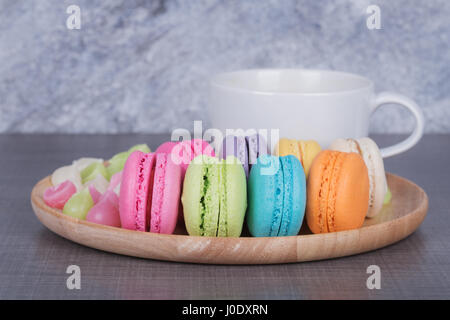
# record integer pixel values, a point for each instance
(214, 197)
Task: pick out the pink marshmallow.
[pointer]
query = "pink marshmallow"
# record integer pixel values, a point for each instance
(106, 211)
(95, 194)
(111, 197)
(57, 196)
(116, 179)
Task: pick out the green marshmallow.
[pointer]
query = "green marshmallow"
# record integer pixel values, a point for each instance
(79, 204)
(116, 163)
(387, 197)
(140, 147)
(92, 171)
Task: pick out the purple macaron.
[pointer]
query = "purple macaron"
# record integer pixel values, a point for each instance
(246, 148)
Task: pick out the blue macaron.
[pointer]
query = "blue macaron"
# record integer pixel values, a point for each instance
(276, 196)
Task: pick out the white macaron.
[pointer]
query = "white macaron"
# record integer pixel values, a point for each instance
(370, 152)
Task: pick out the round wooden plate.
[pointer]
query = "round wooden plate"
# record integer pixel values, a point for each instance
(398, 220)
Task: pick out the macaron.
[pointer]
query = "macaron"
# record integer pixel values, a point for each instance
(246, 148)
(303, 150)
(276, 196)
(371, 155)
(149, 193)
(235, 146)
(214, 197)
(257, 146)
(166, 147)
(337, 192)
(183, 152)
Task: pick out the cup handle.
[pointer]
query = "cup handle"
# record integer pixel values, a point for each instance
(416, 135)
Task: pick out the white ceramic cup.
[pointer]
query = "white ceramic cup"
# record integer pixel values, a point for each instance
(304, 104)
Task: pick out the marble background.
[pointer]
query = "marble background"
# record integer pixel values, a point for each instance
(143, 66)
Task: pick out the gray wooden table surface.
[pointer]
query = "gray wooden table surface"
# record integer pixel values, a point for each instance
(33, 260)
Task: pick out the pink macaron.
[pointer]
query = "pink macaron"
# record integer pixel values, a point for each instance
(166, 147)
(183, 152)
(149, 193)
(165, 196)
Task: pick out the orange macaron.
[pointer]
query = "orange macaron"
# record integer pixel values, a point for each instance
(337, 192)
